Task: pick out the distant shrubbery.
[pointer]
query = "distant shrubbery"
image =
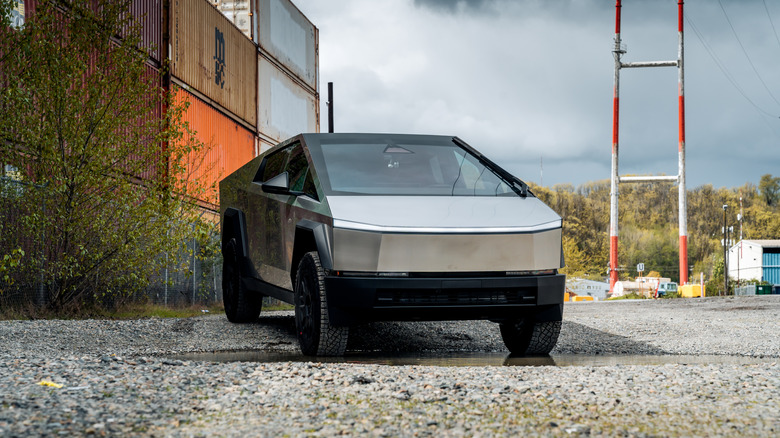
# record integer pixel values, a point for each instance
(649, 225)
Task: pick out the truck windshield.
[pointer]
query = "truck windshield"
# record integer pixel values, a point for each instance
(387, 168)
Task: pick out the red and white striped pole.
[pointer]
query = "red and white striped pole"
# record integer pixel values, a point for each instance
(683, 213)
(613, 204)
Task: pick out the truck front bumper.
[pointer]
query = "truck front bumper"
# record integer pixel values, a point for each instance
(353, 300)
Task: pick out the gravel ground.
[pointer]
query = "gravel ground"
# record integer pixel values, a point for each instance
(123, 378)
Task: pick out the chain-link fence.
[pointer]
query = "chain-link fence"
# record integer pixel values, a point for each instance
(191, 277)
(198, 281)
(18, 286)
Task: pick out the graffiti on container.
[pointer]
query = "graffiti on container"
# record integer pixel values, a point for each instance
(219, 58)
(17, 15)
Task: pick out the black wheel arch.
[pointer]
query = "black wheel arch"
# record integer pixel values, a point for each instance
(312, 236)
(234, 227)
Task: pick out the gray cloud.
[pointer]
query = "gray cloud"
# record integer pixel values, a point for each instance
(526, 79)
(452, 6)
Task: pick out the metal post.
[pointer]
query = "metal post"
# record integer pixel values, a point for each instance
(613, 197)
(701, 283)
(330, 107)
(42, 298)
(725, 253)
(194, 267)
(682, 213)
(166, 279)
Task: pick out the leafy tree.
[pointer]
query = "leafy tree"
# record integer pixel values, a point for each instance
(648, 225)
(770, 189)
(81, 118)
(577, 263)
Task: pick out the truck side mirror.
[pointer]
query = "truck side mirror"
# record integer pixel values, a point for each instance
(279, 185)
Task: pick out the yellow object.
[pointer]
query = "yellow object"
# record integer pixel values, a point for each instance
(567, 296)
(692, 291)
(48, 383)
(582, 298)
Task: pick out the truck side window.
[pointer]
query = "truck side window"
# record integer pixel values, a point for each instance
(298, 171)
(274, 164)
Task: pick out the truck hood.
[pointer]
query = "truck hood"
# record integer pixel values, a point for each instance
(442, 214)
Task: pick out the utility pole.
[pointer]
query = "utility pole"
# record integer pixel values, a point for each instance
(725, 253)
(739, 250)
(330, 107)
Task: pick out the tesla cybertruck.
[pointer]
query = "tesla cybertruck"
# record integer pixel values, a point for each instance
(355, 228)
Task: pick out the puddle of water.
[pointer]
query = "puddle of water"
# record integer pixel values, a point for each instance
(476, 359)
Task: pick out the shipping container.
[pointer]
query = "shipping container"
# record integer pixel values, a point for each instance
(149, 14)
(771, 266)
(152, 120)
(210, 54)
(228, 145)
(262, 145)
(239, 12)
(21, 11)
(290, 38)
(285, 107)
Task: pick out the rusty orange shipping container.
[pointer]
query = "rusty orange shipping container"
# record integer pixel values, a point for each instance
(210, 54)
(228, 145)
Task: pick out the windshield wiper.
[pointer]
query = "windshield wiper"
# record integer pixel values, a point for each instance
(517, 185)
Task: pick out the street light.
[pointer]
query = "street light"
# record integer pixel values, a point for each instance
(725, 253)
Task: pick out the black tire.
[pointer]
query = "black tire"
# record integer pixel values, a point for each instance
(529, 338)
(241, 305)
(315, 334)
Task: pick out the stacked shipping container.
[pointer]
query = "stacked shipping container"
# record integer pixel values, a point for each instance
(253, 65)
(210, 55)
(287, 66)
(248, 68)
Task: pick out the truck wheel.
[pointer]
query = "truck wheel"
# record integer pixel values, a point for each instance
(526, 337)
(315, 334)
(241, 305)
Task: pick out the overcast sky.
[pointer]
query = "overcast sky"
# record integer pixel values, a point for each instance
(531, 80)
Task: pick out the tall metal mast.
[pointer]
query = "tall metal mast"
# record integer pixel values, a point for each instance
(613, 196)
(618, 52)
(683, 199)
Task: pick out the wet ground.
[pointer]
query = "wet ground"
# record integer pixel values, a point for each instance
(476, 359)
(690, 332)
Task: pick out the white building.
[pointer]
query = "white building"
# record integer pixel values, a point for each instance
(596, 289)
(755, 260)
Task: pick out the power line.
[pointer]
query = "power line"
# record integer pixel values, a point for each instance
(772, 22)
(723, 68)
(750, 61)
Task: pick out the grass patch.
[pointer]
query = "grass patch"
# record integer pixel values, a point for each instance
(279, 305)
(126, 311)
(630, 296)
(138, 311)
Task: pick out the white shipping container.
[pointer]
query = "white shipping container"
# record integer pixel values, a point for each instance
(262, 145)
(285, 108)
(290, 38)
(238, 12)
